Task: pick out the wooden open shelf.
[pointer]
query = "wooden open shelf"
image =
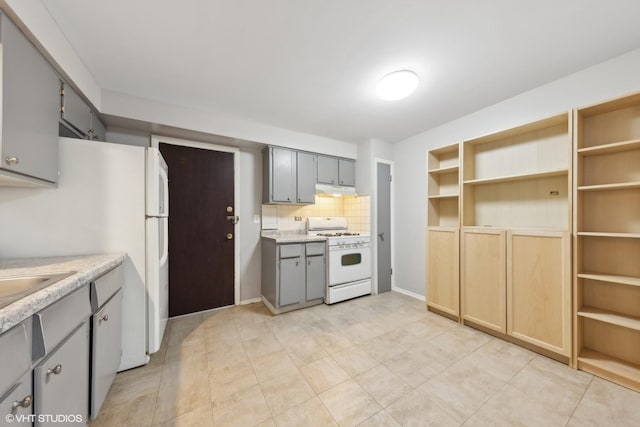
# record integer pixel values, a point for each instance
(519, 177)
(448, 169)
(623, 280)
(611, 368)
(444, 196)
(618, 186)
(610, 317)
(615, 147)
(617, 235)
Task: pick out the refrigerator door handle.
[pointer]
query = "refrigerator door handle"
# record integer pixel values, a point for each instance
(165, 242)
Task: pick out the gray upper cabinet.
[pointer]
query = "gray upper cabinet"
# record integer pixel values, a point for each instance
(347, 172)
(306, 177)
(332, 170)
(328, 170)
(282, 174)
(77, 116)
(289, 176)
(29, 138)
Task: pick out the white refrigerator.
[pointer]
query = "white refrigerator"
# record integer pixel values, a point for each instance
(110, 198)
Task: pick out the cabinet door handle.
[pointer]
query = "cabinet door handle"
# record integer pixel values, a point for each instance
(55, 371)
(12, 160)
(308, 262)
(297, 263)
(24, 403)
(104, 318)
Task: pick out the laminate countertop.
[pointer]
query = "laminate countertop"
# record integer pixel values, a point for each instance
(20, 306)
(291, 237)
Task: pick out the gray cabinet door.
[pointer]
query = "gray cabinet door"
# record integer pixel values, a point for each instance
(75, 112)
(106, 350)
(347, 172)
(61, 381)
(291, 281)
(327, 170)
(283, 175)
(30, 104)
(316, 277)
(306, 164)
(97, 131)
(21, 397)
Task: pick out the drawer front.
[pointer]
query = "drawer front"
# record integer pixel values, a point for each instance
(105, 286)
(15, 356)
(65, 392)
(290, 251)
(315, 248)
(58, 320)
(106, 350)
(18, 404)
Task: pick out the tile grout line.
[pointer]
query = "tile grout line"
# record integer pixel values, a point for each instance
(580, 401)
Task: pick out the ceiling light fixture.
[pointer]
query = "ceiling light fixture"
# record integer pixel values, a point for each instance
(397, 85)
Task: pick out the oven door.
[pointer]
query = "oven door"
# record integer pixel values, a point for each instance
(349, 265)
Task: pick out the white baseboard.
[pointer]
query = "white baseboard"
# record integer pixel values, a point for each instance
(250, 301)
(409, 293)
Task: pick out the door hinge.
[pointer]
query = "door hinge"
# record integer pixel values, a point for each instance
(391, 271)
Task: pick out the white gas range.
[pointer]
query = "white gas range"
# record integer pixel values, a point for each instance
(349, 263)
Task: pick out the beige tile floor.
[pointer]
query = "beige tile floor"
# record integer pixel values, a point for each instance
(374, 361)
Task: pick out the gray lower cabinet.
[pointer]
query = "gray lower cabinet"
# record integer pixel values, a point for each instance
(16, 398)
(316, 271)
(16, 406)
(293, 274)
(28, 106)
(106, 350)
(61, 380)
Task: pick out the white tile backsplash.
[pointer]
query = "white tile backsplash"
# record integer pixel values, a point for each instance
(355, 209)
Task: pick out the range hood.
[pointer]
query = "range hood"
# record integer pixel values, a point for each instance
(335, 189)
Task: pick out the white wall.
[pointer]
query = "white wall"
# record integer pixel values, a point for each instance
(609, 79)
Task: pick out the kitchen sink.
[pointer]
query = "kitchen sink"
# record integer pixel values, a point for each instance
(15, 287)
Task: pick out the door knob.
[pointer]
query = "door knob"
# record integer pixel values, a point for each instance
(229, 236)
(381, 236)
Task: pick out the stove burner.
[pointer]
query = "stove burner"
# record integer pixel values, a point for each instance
(338, 234)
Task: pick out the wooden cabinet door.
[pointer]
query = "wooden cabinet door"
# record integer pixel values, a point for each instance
(283, 175)
(539, 288)
(483, 278)
(443, 292)
(306, 174)
(347, 172)
(327, 170)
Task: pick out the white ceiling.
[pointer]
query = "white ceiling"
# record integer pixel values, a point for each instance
(312, 65)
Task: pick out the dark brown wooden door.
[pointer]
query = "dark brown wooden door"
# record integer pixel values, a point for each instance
(201, 238)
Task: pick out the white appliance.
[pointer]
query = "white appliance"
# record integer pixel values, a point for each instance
(349, 263)
(110, 198)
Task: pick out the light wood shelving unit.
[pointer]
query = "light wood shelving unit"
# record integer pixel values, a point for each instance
(443, 231)
(516, 221)
(607, 240)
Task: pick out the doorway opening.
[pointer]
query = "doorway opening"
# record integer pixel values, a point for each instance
(203, 225)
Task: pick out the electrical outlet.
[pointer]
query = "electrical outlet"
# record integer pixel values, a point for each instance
(298, 218)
